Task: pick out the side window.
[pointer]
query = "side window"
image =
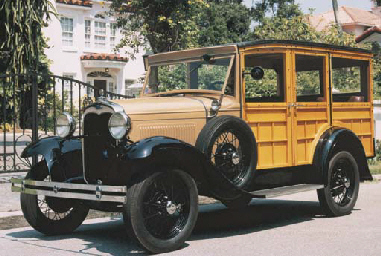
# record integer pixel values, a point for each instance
(270, 88)
(309, 78)
(349, 80)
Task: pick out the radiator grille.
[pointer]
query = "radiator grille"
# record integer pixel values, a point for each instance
(96, 142)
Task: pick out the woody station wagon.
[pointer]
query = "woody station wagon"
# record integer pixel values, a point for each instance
(233, 122)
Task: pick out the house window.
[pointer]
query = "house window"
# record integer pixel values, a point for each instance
(112, 35)
(88, 33)
(100, 34)
(112, 87)
(67, 31)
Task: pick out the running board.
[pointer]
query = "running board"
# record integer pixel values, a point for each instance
(286, 190)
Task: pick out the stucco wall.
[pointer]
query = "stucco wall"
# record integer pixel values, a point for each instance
(66, 60)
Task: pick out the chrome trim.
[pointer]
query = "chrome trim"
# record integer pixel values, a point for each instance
(127, 124)
(90, 192)
(71, 122)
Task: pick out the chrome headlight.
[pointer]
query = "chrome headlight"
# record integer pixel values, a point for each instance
(65, 125)
(119, 124)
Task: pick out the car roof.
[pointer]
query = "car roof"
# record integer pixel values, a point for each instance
(232, 48)
(301, 43)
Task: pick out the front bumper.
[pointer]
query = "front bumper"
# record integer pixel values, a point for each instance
(90, 192)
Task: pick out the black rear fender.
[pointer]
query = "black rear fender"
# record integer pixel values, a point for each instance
(338, 139)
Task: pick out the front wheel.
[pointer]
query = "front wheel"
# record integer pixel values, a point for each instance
(340, 194)
(162, 210)
(51, 215)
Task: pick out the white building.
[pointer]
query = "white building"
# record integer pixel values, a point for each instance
(81, 46)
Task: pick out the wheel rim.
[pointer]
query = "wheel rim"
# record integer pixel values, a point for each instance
(342, 182)
(166, 205)
(47, 207)
(48, 212)
(228, 155)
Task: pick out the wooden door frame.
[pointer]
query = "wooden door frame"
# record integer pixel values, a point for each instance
(272, 105)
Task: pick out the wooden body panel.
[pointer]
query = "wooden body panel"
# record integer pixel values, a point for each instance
(287, 133)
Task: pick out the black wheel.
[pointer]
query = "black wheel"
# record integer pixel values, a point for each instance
(162, 210)
(50, 215)
(229, 144)
(340, 194)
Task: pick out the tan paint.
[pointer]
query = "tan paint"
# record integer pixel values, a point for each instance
(286, 136)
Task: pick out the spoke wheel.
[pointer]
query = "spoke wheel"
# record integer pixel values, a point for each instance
(340, 194)
(229, 144)
(50, 215)
(229, 158)
(161, 210)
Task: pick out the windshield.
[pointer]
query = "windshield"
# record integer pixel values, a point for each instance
(191, 75)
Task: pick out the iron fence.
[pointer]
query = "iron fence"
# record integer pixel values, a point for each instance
(29, 105)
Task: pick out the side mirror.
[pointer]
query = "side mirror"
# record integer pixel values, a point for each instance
(208, 59)
(257, 73)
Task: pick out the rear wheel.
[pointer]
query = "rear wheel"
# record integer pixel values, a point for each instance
(162, 210)
(50, 215)
(340, 194)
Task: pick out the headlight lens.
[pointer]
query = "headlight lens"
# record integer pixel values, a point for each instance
(65, 125)
(119, 124)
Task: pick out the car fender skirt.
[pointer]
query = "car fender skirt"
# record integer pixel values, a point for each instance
(338, 139)
(51, 148)
(163, 151)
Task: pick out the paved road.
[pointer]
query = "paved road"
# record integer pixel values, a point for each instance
(267, 227)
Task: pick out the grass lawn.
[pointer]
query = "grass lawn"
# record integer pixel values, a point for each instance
(375, 168)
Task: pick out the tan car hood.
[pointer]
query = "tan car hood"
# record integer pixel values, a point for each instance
(157, 105)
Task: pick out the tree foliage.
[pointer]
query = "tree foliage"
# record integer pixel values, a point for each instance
(166, 25)
(20, 31)
(275, 8)
(298, 28)
(225, 21)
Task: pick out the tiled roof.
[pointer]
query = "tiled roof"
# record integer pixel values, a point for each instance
(103, 56)
(347, 15)
(85, 3)
(368, 33)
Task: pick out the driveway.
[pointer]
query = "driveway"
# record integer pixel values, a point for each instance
(288, 225)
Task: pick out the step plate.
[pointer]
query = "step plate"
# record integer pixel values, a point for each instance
(286, 190)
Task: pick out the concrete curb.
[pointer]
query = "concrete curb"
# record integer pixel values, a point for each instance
(6, 177)
(10, 214)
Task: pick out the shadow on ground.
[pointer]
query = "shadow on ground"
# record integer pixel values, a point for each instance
(214, 221)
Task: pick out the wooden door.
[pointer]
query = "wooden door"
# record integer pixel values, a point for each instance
(266, 105)
(310, 108)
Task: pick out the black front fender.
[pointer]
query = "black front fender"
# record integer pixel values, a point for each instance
(152, 153)
(50, 148)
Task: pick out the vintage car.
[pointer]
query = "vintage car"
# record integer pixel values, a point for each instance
(232, 122)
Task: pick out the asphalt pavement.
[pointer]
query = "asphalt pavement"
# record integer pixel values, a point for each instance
(288, 225)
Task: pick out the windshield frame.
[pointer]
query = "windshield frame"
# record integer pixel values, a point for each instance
(189, 91)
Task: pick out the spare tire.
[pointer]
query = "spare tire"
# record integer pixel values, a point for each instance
(229, 143)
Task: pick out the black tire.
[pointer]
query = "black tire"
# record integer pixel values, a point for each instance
(229, 143)
(340, 194)
(161, 210)
(49, 215)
